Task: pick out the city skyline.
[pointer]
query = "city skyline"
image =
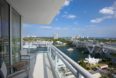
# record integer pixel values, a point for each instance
(93, 18)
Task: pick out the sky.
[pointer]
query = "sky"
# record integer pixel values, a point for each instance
(88, 18)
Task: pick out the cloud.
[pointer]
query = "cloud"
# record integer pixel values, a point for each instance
(67, 2)
(111, 10)
(107, 12)
(98, 20)
(70, 16)
(46, 27)
(53, 28)
(60, 28)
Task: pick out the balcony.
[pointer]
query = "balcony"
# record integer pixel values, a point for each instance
(47, 61)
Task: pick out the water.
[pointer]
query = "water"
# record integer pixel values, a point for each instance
(76, 55)
(41, 49)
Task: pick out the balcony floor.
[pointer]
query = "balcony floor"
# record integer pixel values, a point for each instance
(40, 67)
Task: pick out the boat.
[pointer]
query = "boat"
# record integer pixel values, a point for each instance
(70, 49)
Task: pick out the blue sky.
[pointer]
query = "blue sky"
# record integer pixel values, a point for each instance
(92, 18)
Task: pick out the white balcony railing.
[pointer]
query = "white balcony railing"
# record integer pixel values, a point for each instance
(59, 61)
(62, 65)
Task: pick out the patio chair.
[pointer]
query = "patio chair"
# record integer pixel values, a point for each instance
(25, 55)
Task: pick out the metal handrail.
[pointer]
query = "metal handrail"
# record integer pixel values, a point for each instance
(69, 62)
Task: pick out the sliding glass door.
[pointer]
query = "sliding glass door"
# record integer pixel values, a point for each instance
(4, 32)
(10, 34)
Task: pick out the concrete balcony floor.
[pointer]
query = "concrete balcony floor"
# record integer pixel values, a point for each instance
(40, 66)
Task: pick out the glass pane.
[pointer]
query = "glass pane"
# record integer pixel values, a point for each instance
(16, 37)
(0, 23)
(0, 35)
(4, 33)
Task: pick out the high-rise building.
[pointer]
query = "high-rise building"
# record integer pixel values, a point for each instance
(56, 36)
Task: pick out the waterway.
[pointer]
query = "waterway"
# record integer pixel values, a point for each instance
(76, 54)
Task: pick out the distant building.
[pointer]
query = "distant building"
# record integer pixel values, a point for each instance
(103, 66)
(75, 37)
(92, 60)
(56, 36)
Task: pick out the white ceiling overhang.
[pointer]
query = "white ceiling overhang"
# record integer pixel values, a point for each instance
(37, 11)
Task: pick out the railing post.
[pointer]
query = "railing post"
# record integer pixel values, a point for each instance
(56, 59)
(79, 75)
(49, 50)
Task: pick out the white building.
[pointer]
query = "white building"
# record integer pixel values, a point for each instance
(92, 60)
